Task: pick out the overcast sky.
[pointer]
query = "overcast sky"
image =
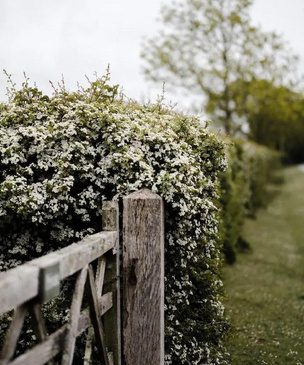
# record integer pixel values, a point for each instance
(46, 39)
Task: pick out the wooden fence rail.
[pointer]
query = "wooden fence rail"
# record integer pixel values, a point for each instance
(96, 262)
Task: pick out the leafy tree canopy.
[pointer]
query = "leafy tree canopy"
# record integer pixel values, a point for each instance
(207, 45)
(275, 115)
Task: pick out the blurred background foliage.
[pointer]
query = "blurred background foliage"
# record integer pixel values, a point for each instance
(244, 189)
(247, 80)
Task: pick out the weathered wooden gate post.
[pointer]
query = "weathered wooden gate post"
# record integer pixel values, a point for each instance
(112, 319)
(143, 283)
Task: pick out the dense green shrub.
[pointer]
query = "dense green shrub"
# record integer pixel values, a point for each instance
(243, 190)
(61, 156)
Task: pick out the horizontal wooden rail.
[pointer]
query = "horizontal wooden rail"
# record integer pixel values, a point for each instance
(24, 282)
(54, 344)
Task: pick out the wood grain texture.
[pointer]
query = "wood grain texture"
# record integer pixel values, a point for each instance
(69, 346)
(18, 286)
(13, 334)
(22, 284)
(110, 215)
(42, 353)
(38, 324)
(88, 353)
(74, 257)
(112, 319)
(95, 316)
(99, 277)
(143, 283)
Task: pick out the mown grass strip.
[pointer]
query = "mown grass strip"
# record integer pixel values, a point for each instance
(265, 288)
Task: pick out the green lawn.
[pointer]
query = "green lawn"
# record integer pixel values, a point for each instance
(265, 288)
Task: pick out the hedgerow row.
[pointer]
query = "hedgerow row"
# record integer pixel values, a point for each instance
(62, 156)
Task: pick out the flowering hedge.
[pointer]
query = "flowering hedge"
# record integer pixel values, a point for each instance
(243, 190)
(61, 156)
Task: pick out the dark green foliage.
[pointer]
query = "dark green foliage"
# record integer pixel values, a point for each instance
(243, 186)
(275, 116)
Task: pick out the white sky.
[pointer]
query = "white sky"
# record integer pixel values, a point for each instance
(46, 39)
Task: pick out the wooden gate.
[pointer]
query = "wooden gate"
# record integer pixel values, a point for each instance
(127, 331)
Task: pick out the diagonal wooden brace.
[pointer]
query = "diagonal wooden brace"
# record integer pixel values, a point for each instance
(96, 318)
(68, 352)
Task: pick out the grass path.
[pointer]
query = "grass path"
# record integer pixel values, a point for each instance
(265, 288)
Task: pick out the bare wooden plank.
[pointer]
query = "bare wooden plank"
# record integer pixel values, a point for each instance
(74, 257)
(111, 358)
(96, 319)
(10, 342)
(99, 280)
(39, 324)
(87, 360)
(42, 353)
(143, 263)
(18, 286)
(69, 346)
(22, 284)
(49, 281)
(105, 303)
(112, 319)
(110, 221)
(100, 271)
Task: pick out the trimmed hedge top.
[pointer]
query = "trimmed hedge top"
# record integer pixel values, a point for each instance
(61, 156)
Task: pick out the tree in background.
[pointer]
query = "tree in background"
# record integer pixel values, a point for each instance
(207, 45)
(275, 115)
